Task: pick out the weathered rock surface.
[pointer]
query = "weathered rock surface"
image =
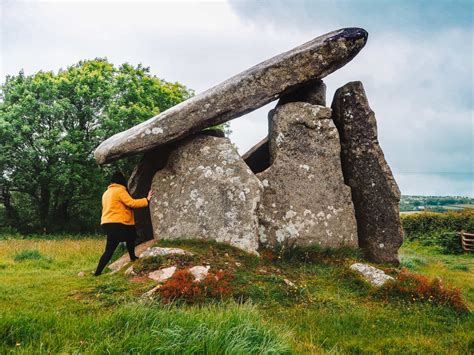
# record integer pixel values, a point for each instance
(373, 275)
(157, 251)
(240, 94)
(140, 182)
(374, 191)
(162, 275)
(130, 271)
(206, 191)
(125, 258)
(305, 201)
(314, 92)
(199, 272)
(150, 293)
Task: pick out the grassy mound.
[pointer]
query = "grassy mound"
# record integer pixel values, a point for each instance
(301, 302)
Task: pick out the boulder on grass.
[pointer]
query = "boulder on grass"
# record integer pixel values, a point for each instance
(374, 276)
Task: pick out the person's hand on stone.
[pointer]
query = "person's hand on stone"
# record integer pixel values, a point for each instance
(150, 195)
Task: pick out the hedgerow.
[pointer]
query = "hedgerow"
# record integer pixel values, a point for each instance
(439, 229)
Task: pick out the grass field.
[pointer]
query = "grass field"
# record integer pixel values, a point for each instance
(46, 307)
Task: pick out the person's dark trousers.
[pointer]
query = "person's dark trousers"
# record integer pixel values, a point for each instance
(117, 233)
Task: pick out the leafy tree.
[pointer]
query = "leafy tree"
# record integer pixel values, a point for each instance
(50, 124)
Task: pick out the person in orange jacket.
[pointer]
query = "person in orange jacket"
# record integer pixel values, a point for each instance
(117, 218)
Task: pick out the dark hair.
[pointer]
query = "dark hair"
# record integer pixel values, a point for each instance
(118, 178)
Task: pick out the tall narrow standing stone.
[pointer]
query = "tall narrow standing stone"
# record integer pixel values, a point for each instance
(305, 201)
(374, 191)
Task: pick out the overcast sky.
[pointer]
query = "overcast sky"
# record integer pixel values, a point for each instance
(417, 67)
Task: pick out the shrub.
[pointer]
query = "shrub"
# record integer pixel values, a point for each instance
(418, 288)
(182, 286)
(439, 229)
(148, 264)
(28, 254)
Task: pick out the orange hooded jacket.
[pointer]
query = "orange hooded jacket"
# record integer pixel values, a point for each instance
(117, 205)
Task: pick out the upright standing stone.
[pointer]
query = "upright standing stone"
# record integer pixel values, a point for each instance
(206, 191)
(374, 191)
(305, 201)
(314, 92)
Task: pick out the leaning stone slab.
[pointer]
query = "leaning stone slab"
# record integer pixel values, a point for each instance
(375, 193)
(305, 201)
(240, 94)
(374, 276)
(206, 191)
(125, 258)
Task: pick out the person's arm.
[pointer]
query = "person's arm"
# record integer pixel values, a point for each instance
(131, 202)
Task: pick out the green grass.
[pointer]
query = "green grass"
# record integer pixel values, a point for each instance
(46, 307)
(28, 254)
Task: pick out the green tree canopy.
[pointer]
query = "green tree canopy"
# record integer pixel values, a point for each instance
(50, 124)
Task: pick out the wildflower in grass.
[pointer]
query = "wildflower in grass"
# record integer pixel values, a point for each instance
(414, 287)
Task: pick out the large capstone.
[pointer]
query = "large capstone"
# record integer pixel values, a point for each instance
(206, 191)
(305, 201)
(374, 191)
(240, 94)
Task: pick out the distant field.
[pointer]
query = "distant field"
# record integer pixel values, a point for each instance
(459, 207)
(470, 206)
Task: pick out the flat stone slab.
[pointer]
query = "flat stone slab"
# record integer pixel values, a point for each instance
(240, 94)
(163, 274)
(374, 276)
(157, 251)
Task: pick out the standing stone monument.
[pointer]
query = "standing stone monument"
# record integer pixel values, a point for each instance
(298, 187)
